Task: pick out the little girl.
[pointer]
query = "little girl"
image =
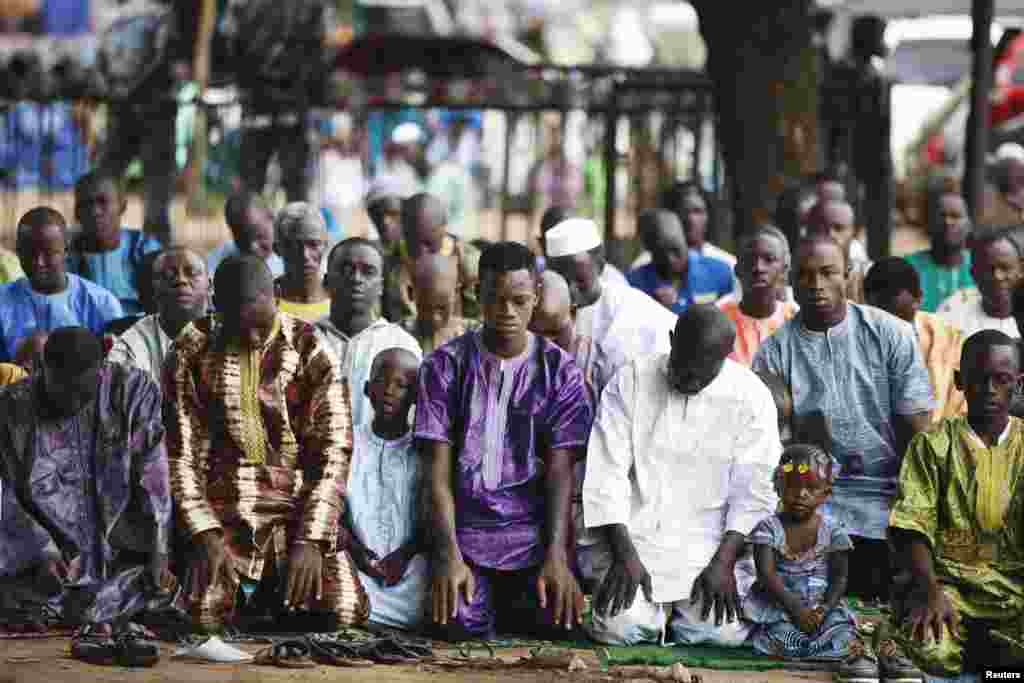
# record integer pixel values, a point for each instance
(802, 563)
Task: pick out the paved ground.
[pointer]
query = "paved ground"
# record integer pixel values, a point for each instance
(47, 661)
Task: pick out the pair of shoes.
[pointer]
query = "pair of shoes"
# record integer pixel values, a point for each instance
(132, 646)
(883, 662)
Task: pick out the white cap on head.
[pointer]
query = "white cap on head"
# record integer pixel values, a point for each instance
(406, 133)
(572, 236)
(1010, 150)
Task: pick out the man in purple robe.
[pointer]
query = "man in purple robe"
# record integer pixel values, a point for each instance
(85, 503)
(502, 416)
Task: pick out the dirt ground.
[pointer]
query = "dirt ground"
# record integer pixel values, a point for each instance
(35, 661)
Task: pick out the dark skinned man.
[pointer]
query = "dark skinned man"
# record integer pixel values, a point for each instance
(355, 332)
(260, 439)
(48, 296)
(182, 291)
(863, 368)
(997, 270)
(679, 470)
(944, 268)
(763, 270)
(425, 231)
(86, 508)
(502, 415)
(677, 275)
(957, 521)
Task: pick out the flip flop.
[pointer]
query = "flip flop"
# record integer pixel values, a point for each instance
(286, 654)
(336, 653)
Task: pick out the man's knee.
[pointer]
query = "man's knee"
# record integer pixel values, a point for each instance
(688, 628)
(644, 622)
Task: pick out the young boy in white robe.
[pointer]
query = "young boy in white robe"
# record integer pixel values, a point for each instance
(383, 530)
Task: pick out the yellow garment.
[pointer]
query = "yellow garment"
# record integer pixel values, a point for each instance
(10, 266)
(10, 373)
(940, 345)
(254, 432)
(310, 313)
(967, 500)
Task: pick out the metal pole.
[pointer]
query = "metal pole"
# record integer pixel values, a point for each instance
(201, 73)
(511, 120)
(610, 163)
(982, 12)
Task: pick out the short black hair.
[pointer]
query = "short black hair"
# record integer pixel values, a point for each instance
(40, 217)
(986, 339)
(72, 350)
(996, 233)
(816, 238)
(233, 270)
(507, 257)
(891, 276)
(94, 179)
(236, 206)
(353, 242)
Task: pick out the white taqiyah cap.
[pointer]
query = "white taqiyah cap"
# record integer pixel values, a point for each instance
(572, 236)
(406, 133)
(1010, 150)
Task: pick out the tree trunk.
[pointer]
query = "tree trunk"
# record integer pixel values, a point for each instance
(764, 70)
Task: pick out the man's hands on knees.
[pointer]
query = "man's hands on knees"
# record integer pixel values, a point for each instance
(452, 579)
(928, 608)
(305, 575)
(715, 588)
(556, 580)
(928, 611)
(627, 574)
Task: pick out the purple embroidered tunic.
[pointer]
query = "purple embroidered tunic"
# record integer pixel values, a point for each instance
(502, 416)
(92, 488)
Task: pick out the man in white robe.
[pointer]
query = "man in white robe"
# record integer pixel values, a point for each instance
(679, 470)
(624, 320)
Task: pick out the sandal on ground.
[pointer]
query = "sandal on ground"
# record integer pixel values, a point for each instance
(286, 654)
(336, 653)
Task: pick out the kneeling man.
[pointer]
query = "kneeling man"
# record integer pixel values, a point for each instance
(679, 470)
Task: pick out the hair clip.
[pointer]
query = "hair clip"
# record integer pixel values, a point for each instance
(788, 467)
(803, 468)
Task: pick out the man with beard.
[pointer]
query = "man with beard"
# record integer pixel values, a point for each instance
(996, 267)
(354, 332)
(863, 369)
(679, 470)
(182, 290)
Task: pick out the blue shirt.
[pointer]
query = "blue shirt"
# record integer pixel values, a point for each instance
(24, 311)
(861, 374)
(116, 271)
(707, 281)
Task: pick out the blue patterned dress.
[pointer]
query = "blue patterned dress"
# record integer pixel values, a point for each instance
(806, 576)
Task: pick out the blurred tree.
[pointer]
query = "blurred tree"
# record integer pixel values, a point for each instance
(764, 69)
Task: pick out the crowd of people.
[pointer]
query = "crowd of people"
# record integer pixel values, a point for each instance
(423, 434)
